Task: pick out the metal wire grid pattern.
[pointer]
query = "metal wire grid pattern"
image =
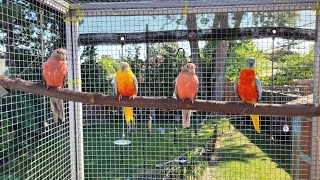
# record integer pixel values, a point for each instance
(153, 148)
(105, 4)
(282, 151)
(32, 146)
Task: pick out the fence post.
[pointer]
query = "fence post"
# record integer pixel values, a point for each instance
(314, 171)
(73, 154)
(75, 109)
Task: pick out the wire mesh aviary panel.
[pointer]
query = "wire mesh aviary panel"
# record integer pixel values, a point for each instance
(156, 39)
(32, 146)
(216, 146)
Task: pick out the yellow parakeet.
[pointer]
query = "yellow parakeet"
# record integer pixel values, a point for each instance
(126, 85)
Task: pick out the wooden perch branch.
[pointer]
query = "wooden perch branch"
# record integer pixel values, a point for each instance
(162, 102)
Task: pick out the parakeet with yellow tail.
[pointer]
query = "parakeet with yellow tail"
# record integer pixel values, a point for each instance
(248, 88)
(126, 85)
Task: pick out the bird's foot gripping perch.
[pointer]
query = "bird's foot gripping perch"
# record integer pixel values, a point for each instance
(120, 97)
(132, 97)
(241, 102)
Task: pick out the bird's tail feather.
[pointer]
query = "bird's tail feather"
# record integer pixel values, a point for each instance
(57, 109)
(255, 120)
(186, 114)
(128, 114)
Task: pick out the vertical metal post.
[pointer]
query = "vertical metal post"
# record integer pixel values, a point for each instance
(42, 60)
(75, 109)
(296, 149)
(72, 127)
(78, 106)
(314, 170)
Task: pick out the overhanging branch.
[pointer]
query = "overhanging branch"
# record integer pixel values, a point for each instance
(163, 102)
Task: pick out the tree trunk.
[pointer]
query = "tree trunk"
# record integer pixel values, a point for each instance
(237, 19)
(195, 54)
(219, 67)
(9, 55)
(220, 70)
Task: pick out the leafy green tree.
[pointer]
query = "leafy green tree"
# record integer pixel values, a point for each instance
(239, 51)
(293, 66)
(274, 19)
(157, 73)
(28, 42)
(221, 20)
(283, 48)
(93, 75)
(207, 53)
(163, 66)
(237, 54)
(109, 64)
(136, 63)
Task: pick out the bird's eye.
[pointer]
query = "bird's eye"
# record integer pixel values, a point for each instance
(187, 66)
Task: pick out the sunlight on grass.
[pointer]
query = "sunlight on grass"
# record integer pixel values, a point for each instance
(239, 158)
(104, 160)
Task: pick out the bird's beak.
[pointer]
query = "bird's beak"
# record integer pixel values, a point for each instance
(122, 68)
(251, 64)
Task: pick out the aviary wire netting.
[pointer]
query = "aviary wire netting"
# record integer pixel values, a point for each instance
(160, 36)
(31, 145)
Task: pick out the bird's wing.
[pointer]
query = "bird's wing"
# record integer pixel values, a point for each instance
(197, 87)
(66, 77)
(44, 80)
(175, 93)
(235, 86)
(259, 87)
(135, 84)
(115, 85)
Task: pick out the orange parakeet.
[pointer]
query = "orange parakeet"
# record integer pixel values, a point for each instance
(248, 88)
(126, 85)
(54, 72)
(186, 87)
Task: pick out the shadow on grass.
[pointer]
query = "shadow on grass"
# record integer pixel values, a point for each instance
(237, 153)
(280, 151)
(104, 160)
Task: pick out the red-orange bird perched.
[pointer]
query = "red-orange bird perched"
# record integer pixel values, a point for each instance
(248, 88)
(186, 87)
(54, 72)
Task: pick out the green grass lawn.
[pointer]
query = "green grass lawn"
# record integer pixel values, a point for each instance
(239, 155)
(104, 160)
(238, 158)
(48, 158)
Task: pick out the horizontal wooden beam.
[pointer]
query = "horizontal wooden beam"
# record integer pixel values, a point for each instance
(162, 102)
(167, 7)
(204, 34)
